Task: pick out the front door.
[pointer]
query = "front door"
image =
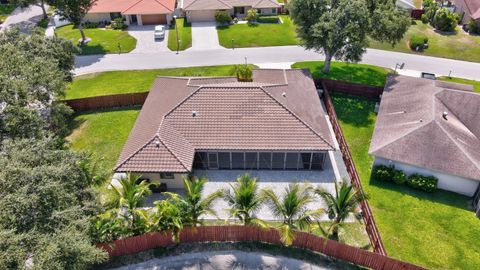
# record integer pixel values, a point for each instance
(134, 18)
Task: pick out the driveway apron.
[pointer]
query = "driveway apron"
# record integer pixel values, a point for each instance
(204, 36)
(146, 43)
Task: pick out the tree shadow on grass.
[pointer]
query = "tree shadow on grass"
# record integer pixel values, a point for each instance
(89, 49)
(352, 73)
(440, 196)
(353, 110)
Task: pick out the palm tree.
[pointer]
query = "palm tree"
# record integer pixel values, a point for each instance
(168, 216)
(244, 200)
(342, 205)
(129, 197)
(193, 206)
(292, 208)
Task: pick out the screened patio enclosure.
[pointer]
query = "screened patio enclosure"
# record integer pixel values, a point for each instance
(229, 160)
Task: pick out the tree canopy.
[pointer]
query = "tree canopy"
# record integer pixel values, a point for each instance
(340, 28)
(74, 11)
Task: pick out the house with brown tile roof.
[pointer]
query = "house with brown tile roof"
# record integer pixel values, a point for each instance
(275, 122)
(468, 10)
(141, 12)
(432, 128)
(204, 10)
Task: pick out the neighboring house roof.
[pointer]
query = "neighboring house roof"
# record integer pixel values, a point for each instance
(411, 128)
(279, 110)
(129, 7)
(190, 5)
(473, 7)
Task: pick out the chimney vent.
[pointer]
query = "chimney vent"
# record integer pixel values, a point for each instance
(194, 113)
(284, 94)
(445, 115)
(157, 143)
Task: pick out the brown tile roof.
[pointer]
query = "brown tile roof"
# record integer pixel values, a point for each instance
(411, 128)
(279, 110)
(228, 4)
(474, 8)
(134, 6)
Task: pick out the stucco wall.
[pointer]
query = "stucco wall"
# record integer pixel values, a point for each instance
(97, 17)
(177, 182)
(449, 182)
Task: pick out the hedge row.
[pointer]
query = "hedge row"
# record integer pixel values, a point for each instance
(416, 181)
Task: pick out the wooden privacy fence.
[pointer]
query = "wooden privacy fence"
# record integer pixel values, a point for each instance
(235, 233)
(364, 90)
(367, 215)
(417, 13)
(102, 102)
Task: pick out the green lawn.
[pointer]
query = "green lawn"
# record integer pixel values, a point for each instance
(134, 81)
(5, 10)
(356, 73)
(184, 33)
(460, 45)
(433, 230)
(103, 133)
(103, 40)
(476, 84)
(258, 35)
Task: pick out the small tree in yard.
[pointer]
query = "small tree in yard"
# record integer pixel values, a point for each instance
(252, 15)
(445, 20)
(74, 11)
(340, 28)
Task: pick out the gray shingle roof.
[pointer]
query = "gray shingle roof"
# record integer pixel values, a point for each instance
(411, 128)
(230, 115)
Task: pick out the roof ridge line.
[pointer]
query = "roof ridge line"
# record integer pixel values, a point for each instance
(180, 103)
(296, 116)
(171, 152)
(134, 153)
(163, 5)
(132, 5)
(459, 146)
(452, 111)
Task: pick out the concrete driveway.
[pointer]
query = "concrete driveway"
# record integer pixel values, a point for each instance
(204, 36)
(146, 43)
(24, 18)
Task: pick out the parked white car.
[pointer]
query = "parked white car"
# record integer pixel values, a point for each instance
(159, 31)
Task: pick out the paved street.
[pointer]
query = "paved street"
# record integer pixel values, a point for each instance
(270, 55)
(23, 17)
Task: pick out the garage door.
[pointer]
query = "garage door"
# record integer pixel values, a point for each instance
(202, 16)
(154, 19)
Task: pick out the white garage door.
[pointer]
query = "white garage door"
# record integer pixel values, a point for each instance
(202, 16)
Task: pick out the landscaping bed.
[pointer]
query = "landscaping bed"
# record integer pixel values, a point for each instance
(354, 73)
(457, 45)
(258, 35)
(103, 40)
(184, 34)
(134, 81)
(435, 230)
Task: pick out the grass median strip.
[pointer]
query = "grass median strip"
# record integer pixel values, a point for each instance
(134, 81)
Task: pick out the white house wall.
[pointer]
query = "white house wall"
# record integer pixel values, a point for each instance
(448, 182)
(176, 182)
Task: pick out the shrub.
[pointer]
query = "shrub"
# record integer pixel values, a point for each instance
(244, 73)
(472, 27)
(118, 24)
(425, 183)
(424, 18)
(399, 177)
(417, 42)
(91, 24)
(268, 19)
(223, 17)
(445, 20)
(252, 15)
(383, 173)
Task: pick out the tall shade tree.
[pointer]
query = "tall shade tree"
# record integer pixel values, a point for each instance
(75, 11)
(340, 28)
(192, 205)
(46, 201)
(244, 200)
(340, 206)
(128, 197)
(291, 207)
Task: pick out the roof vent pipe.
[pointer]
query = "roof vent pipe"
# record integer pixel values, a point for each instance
(445, 114)
(157, 143)
(284, 94)
(194, 113)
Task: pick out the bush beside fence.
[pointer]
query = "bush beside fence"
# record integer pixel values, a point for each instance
(236, 233)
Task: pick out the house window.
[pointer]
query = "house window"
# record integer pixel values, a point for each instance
(274, 10)
(166, 175)
(224, 160)
(239, 10)
(114, 15)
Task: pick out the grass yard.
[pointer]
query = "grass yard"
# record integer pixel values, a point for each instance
(184, 33)
(258, 35)
(460, 45)
(102, 133)
(103, 40)
(355, 73)
(134, 81)
(476, 84)
(437, 230)
(5, 10)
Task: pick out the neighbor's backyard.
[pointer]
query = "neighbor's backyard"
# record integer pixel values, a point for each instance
(458, 45)
(103, 40)
(258, 35)
(437, 231)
